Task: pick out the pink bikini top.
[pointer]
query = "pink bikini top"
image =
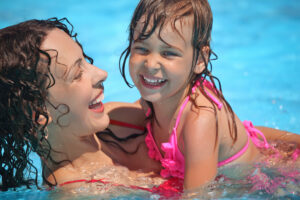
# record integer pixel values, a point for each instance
(173, 160)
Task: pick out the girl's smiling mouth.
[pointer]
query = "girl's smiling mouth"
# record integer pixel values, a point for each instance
(153, 82)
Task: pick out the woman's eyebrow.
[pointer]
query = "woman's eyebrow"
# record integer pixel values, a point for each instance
(76, 63)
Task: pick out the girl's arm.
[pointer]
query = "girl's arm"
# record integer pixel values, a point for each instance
(200, 149)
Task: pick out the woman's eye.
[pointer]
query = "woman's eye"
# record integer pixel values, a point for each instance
(78, 75)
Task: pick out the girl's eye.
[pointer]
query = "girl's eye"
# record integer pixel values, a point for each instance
(141, 50)
(169, 54)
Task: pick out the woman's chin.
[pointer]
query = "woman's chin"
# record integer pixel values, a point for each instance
(102, 123)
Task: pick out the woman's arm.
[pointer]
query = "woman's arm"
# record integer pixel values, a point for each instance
(275, 134)
(131, 121)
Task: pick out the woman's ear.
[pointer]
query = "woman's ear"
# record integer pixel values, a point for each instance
(42, 120)
(200, 65)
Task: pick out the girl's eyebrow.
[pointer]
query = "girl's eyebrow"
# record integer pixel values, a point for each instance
(165, 45)
(139, 41)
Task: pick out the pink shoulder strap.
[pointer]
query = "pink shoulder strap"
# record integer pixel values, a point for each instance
(197, 84)
(210, 86)
(148, 112)
(180, 112)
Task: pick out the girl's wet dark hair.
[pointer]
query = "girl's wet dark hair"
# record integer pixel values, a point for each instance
(24, 81)
(156, 14)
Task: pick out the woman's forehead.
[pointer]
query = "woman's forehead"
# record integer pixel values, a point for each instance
(62, 49)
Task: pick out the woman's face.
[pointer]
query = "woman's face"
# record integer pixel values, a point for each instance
(75, 98)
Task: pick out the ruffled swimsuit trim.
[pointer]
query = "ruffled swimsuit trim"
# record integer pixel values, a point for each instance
(173, 159)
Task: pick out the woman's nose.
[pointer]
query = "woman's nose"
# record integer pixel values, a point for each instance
(98, 76)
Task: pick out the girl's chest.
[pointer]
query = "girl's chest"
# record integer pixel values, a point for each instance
(134, 156)
(163, 135)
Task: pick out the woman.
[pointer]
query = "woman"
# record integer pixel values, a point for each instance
(51, 104)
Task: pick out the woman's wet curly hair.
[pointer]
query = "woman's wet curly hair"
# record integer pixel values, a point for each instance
(24, 81)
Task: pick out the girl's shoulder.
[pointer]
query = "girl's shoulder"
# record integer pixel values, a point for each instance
(198, 122)
(202, 113)
(205, 99)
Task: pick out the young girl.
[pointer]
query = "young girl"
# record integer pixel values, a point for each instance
(192, 129)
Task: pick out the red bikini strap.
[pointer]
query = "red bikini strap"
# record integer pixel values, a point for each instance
(84, 180)
(105, 182)
(125, 124)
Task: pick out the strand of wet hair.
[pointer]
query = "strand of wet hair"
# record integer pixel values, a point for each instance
(110, 133)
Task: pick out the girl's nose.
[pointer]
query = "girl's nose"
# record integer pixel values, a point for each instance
(152, 62)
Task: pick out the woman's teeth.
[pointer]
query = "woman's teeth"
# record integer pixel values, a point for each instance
(97, 100)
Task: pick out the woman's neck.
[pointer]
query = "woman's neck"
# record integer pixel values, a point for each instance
(67, 146)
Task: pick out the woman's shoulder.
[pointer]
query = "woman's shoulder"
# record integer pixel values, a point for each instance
(63, 175)
(109, 106)
(122, 110)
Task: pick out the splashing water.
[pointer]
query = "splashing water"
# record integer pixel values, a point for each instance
(275, 175)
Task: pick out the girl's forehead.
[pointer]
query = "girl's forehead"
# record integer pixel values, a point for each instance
(176, 22)
(171, 27)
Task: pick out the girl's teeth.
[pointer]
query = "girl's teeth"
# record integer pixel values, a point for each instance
(154, 81)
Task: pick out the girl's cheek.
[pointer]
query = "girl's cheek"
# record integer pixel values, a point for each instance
(131, 63)
(135, 60)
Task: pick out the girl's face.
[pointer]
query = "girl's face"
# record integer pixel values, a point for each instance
(78, 90)
(161, 69)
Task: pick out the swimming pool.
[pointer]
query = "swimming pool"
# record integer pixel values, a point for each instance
(257, 44)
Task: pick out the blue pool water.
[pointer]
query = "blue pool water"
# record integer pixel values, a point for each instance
(257, 43)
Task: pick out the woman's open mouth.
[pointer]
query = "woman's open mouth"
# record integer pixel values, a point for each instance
(96, 105)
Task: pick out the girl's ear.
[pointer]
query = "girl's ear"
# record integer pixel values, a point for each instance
(200, 65)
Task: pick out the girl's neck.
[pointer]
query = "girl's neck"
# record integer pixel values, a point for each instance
(167, 109)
